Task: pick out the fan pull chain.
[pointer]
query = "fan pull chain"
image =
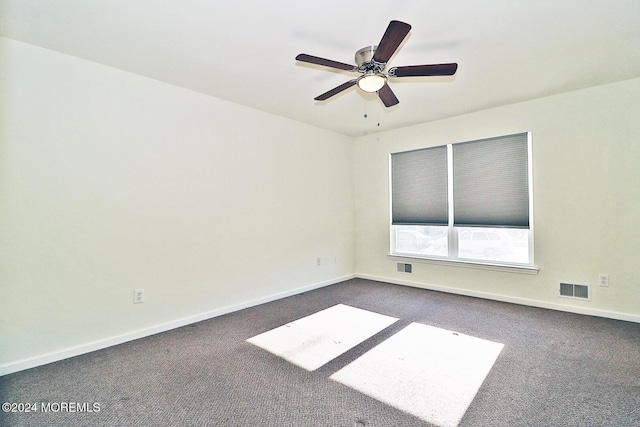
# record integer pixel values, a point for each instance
(365, 115)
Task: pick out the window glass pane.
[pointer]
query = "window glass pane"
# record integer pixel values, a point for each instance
(421, 240)
(494, 244)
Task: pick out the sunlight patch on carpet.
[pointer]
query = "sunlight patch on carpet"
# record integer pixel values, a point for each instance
(428, 372)
(315, 340)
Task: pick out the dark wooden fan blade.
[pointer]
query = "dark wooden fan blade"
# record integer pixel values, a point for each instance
(335, 90)
(424, 70)
(387, 96)
(326, 62)
(396, 32)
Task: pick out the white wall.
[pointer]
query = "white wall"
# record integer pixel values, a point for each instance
(110, 181)
(586, 173)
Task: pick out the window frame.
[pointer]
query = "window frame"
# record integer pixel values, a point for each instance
(453, 257)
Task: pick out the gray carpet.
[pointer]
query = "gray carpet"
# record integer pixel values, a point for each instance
(556, 369)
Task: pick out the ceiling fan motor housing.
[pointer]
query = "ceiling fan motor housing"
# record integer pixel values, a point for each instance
(365, 62)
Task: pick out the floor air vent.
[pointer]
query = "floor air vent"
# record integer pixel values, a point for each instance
(404, 268)
(572, 290)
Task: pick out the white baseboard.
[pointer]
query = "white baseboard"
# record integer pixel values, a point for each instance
(44, 359)
(628, 317)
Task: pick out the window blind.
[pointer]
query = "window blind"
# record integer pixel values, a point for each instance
(419, 187)
(491, 182)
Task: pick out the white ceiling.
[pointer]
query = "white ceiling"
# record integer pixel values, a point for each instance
(243, 51)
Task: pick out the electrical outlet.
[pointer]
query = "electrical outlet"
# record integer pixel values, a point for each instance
(603, 279)
(138, 296)
(318, 262)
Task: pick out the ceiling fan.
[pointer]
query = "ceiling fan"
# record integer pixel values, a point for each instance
(371, 63)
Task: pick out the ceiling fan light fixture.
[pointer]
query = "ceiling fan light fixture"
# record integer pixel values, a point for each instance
(371, 82)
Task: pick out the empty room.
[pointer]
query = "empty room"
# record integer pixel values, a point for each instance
(414, 213)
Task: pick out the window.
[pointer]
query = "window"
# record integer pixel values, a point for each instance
(469, 201)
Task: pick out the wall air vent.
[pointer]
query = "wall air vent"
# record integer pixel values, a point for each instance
(404, 268)
(573, 290)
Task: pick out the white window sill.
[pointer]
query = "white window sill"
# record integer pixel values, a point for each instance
(511, 268)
